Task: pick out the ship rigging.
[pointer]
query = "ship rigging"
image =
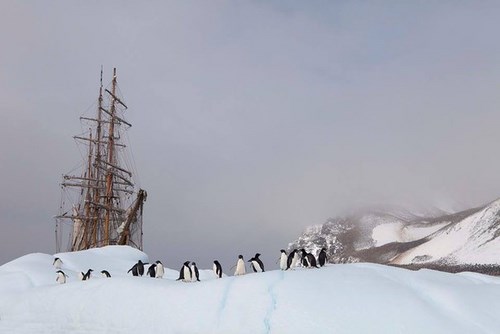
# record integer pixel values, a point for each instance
(102, 205)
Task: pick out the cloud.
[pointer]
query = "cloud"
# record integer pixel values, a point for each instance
(253, 120)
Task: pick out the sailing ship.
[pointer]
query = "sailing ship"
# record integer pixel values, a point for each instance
(101, 205)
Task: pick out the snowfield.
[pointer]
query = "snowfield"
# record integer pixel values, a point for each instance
(348, 298)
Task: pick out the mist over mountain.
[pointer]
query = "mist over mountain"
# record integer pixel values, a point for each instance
(391, 235)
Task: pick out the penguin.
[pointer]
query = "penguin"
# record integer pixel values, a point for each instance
(312, 260)
(195, 273)
(152, 270)
(105, 273)
(322, 257)
(61, 277)
(292, 260)
(217, 269)
(160, 271)
(140, 267)
(240, 266)
(133, 270)
(257, 264)
(303, 261)
(308, 260)
(185, 273)
(283, 260)
(86, 276)
(57, 263)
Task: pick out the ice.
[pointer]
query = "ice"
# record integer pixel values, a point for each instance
(345, 298)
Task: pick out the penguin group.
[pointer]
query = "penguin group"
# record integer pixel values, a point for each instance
(189, 271)
(307, 260)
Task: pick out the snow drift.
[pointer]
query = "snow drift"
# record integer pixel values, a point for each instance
(350, 298)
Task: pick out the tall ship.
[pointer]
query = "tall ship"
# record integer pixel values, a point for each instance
(100, 202)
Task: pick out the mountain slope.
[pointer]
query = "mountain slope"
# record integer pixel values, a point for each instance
(468, 241)
(468, 237)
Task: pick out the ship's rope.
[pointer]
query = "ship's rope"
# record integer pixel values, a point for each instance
(130, 161)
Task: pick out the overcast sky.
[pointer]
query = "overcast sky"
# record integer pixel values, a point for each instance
(251, 119)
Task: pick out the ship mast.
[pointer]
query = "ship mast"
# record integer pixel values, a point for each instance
(102, 216)
(97, 193)
(109, 175)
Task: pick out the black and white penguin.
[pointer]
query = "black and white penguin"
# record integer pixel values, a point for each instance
(185, 273)
(257, 264)
(86, 276)
(308, 260)
(195, 273)
(283, 260)
(133, 270)
(322, 257)
(140, 267)
(240, 266)
(160, 271)
(217, 269)
(105, 273)
(61, 277)
(292, 260)
(152, 270)
(312, 260)
(303, 261)
(57, 263)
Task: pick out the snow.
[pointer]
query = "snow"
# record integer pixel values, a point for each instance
(387, 233)
(419, 231)
(399, 232)
(348, 298)
(469, 241)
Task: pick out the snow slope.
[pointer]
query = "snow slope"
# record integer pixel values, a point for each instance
(469, 241)
(400, 232)
(351, 298)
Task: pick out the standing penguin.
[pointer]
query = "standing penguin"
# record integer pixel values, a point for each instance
(292, 260)
(133, 270)
(195, 273)
(140, 267)
(257, 264)
(152, 270)
(61, 277)
(105, 273)
(308, 260)
(185, 273)
(240, 266)
(57, 263)
(312, 260)
(160, 271)
(283, 260)
(322, 257)
(304, 262)
(217, 269)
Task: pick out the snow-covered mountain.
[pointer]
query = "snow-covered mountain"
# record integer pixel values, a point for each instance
(351, 298)
(472, 240)
(464, 238)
